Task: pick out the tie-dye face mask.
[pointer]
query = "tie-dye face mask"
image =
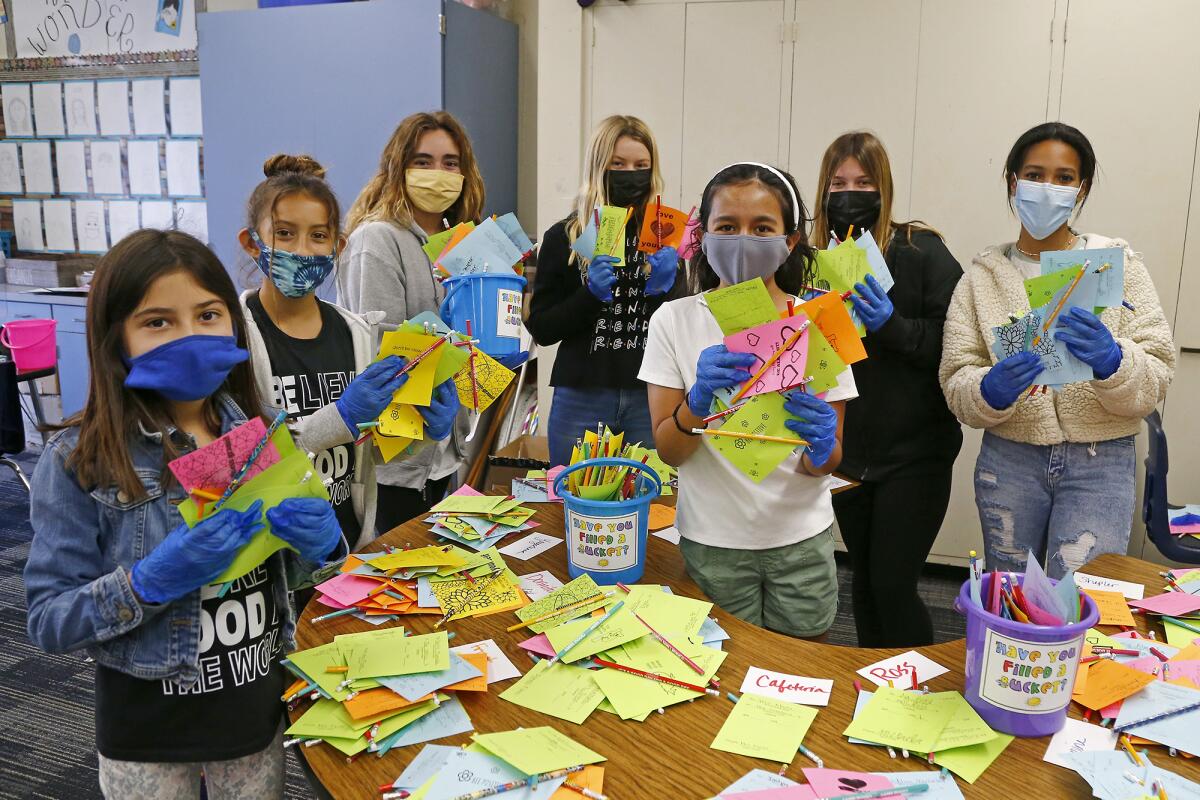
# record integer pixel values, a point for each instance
(293, 275)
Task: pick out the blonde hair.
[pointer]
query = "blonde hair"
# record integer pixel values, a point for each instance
(865, 148)
(594, 189)
(385, 197)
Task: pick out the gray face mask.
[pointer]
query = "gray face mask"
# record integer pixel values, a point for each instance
(738, 257)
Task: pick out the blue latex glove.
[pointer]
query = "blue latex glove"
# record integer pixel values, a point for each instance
(514, 360)
(193, 557)
(717, 368)
(816, 423)
(1089, 340)
(601, 276)
(370, 392)
(1005, 381)
(663, 266)
(443, 408)
(872, 304)
(308, 524)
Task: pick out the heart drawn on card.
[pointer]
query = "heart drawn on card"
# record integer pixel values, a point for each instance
(851, 784)
(662, 229)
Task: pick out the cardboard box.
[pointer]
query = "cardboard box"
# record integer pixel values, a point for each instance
(536, 448)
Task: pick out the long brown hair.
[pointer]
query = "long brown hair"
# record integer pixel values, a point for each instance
(385, 197)
(865, 148)
(113, 413)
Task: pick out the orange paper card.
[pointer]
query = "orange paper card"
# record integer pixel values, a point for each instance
(372, 702)
(661, 516)
(664, 229)
(590, 777)
(1113, 609)
(479, 662)
(1081, 680)
(1109, 682)
(829, 314)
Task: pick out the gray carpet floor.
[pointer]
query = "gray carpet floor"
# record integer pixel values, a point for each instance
(47, 744)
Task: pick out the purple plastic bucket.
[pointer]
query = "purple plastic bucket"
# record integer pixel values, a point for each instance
(1019, 675)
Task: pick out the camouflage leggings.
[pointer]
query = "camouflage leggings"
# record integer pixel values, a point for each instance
(258, 775)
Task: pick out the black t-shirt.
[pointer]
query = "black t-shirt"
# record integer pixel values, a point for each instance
(231, 712)
(307, 374)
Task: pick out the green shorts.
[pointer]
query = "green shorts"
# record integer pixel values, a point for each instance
(790, 589)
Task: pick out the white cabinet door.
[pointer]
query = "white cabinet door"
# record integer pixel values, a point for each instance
(855, 67)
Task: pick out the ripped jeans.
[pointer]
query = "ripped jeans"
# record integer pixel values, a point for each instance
(1068, 503)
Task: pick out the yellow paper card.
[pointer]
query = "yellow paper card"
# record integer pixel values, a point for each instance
(970, 762)
(402, 420)
(491, 378)
(392, 653)
(763, 727)
(536, 750)
(618, 629)
(390, 446)
(418, 389)
(561, 691)
(904, 719)
(1178, 636)
(429, 556)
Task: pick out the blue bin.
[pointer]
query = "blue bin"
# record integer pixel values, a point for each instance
(606, 539)
(491, 302)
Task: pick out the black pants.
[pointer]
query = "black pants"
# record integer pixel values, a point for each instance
(889, 527)
(397, 505)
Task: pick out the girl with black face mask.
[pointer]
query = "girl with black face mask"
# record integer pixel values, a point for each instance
(900, 438)
(600, 312)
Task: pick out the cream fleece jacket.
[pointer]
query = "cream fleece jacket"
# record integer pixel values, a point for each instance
(1091, 411)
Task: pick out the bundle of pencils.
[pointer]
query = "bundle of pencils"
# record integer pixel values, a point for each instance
(620, 482)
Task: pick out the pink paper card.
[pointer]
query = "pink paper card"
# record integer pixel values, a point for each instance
(763, 342)
(347, 588)
(551, 475)
(326, 600)
(837, 782)
(800, 791)
(1172, 604)
(539, 645)
(214, 465)
(1182, 530)
(1188, 668)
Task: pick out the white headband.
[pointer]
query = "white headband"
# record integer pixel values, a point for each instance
(786, 182)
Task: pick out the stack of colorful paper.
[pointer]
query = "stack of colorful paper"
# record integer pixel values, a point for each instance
(377, 587)
(478, 521)
(1185, 521)
(496, 245)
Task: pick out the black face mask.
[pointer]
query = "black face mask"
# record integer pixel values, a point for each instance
(860, 209)
(627, 187)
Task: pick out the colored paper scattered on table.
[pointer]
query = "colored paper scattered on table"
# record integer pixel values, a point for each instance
(762, 727)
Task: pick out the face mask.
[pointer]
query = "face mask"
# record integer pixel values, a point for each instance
(1043, 207)
(627, 187)
(737, 258)
(860, 209)
(293, 275)
(433, 190)
(191, 368)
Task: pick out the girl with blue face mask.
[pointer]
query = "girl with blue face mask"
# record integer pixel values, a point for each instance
(313, 359)
(763, 551)
(1055, 474)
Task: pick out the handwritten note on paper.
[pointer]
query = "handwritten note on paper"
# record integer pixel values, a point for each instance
(582, 588)
(763, 342)
(618, 629)
(762, 415)
(561, 691)
(610, 238)
(662, 226)
(515, 233)
(412, 687)
(393, 653)
(499, 668)
(741, 306)
(1113, 610)
(485, 249)
(537, 585)
(835, 782)
(762, 727)
(530, 546)
(899, 669)
(1109, 682)
(537, 750)
(969, 762)
(418, 389)
(1110, 283)
(789, 688)
(839, 268)
(1133, 591)
(904, 719)
(215, 465)
(1078, 736)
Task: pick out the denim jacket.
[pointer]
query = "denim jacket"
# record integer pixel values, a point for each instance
(77, 579)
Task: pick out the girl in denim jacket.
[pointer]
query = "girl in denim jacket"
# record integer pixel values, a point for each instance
(186, 680)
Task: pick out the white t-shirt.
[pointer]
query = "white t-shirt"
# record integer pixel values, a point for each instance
(718, 505)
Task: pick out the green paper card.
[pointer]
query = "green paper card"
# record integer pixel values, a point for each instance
(561, 691)
(741, 306)
(763, 727)
(824, 365)
(392, 653)
(965, 727)
(618, 629)
(667, 613)
(634, 697)
(537, 750)
(582, 588)
(904, 719)
(312, 663)
(839, 268)
(970, 762)
(1041, 289)
(610, 239)
(762, 414)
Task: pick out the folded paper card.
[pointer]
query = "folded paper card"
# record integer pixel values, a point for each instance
(762, 727)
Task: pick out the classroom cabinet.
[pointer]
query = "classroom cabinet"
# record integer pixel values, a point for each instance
(73, 372)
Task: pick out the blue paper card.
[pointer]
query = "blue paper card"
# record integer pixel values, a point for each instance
(424, 766)
(1105, 772)
(464, 772)
(449, 719)
(1109, 285)
(485, 249)
(515, 233)
(756, 780)
(414, 687)
(585, 245)
(1179, 730)
(941, 787)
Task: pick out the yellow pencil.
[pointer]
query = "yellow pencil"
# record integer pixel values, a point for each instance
(1128, 749)
(791, 340)
(758, 437)
(557, 611)
(1061, 302)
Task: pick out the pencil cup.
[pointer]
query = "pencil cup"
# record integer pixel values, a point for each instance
(1020, 675)
(606, 539)
(491, 301)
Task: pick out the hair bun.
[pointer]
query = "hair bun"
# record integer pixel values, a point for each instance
(282, 163)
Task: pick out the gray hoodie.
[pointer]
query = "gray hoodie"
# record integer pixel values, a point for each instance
(383, 268)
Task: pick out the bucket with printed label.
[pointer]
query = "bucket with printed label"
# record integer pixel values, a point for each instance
(1020, 675)
(492, 303)
(32, 342)
(606, 538)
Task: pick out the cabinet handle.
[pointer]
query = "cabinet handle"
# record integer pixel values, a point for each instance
(1189, 349)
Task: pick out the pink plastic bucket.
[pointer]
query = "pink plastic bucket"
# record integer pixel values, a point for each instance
(32, 342)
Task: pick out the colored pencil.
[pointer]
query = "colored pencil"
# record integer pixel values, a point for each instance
(791, 340)
(556, 612)
(532, 780)
(587, 632)
(719, 414)
(417, 359)
(653, 676)
(1061, 302)
(1182, 624)
(696, 668)
(254, 454)
(916, 788)
(755, 436)
(471, 367)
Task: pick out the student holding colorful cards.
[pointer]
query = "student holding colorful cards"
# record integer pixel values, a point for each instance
(427, 179)
(597, 301)
(187, 680)
(762, 548)
(1055, 474)
(901, 439)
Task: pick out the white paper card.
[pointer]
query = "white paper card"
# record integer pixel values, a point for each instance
(89, 225)
(79, 99)
(72, 167)
(149, 108)
(106, 168)
(48, 109)
(185, 107)
(145, 179)
(158, 214)
(35, 158)
(60, 227)
(530, 546)
(1131, 591)
(788, 688)
(499, 668)
(537, 585)
(670, 534)
(192, 217)
(27, 219)
(1078, 736)
(112, 101)
(899, 670)
(18, 109)
(183, 168)
(10, 169)
(122, 218)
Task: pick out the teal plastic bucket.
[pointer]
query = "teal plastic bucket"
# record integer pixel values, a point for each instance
(491, 302)
(606, 539)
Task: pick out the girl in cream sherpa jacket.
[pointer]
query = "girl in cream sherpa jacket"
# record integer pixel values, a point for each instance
(1091, 411)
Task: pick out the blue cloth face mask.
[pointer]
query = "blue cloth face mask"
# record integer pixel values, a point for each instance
(293, 275)
(189, 368)
(1044, 207)
(739, 257)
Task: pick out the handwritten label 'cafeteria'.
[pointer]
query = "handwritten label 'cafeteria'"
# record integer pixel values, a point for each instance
(789, 688)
